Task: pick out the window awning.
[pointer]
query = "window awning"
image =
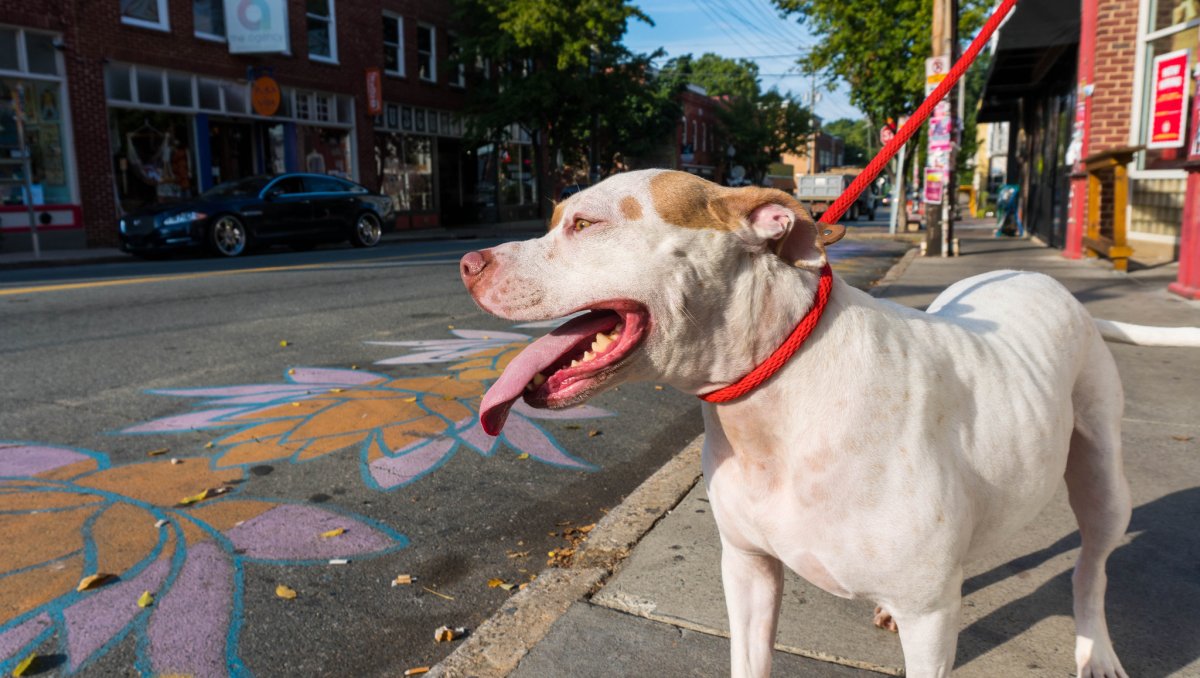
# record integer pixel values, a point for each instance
(1036, 50)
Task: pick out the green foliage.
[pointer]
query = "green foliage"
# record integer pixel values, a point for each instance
(557, 69)
(854, 134)
(761, 126)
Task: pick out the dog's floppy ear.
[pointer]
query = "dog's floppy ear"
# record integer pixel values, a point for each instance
(769, 217)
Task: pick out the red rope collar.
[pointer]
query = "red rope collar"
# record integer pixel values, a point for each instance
(782, 354)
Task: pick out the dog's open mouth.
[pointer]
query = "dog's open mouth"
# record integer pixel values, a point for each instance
(569, 364)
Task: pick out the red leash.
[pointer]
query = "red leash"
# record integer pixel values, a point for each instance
(809, 322)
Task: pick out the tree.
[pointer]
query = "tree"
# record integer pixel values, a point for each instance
(855, 142)
(557, 69)
(760, 126)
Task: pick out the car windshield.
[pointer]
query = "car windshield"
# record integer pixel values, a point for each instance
(247, 186)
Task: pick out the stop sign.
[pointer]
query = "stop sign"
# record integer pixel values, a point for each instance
(885, 134)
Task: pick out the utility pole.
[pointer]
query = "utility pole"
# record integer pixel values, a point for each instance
(939, 235)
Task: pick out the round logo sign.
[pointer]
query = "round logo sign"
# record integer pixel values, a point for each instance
(265, 95)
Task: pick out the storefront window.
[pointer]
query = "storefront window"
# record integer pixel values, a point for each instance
(324, 150)
(147, 13)
(404, 164)
(43, 139)
(209, 16)
(1174, 25)
(8, 50)
(517, 182)
(152, 157)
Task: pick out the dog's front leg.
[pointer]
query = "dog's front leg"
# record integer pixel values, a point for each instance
(929, 636)
(753, 588)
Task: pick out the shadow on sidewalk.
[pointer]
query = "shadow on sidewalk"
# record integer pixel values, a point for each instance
(1153, 591)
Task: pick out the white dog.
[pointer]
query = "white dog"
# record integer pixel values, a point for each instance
(967, 415)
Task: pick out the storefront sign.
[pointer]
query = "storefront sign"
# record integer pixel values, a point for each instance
(374, 91)
(256, 26)
(1169, 108)
(265, 95)
(935, 185)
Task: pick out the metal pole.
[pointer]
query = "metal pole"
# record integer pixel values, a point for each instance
(898, 198)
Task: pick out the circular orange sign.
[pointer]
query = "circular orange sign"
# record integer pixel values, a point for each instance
(265, 95)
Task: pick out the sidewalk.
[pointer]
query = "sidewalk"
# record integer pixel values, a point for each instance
(662, 613)
(108, 255)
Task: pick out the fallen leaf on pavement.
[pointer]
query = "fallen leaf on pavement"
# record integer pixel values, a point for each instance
(572, 427)
(402, 580)
(523, 456)
(518, 554)
(285, 592)
(93, 581)
(159, 452)
(445, 634)
(206, 494)
(413, 399)
(283, 343)
(493, 583)
(146, 600)
(209, 446)
(416, 671)
(438, 593)
(593, 433)
(333, 533)
(20, 669)
(657, 387)
(1182, 439)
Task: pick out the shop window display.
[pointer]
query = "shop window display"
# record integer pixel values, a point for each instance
(43, 138)
(324, 150)
(152, 157)
(404, 164)
(1174, 27)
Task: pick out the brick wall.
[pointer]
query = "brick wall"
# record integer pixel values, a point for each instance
(94, 35)
(1112, 100)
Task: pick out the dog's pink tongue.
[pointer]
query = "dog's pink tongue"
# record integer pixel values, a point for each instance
(539, 355)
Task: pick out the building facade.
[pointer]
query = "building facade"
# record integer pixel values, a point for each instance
(1078, 78)
(133, 102)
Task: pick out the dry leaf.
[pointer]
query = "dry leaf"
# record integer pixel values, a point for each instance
(336, 532)
(188, 501)
(209, 446)
(413, 399)
(295, 404)
(449, 327)
(402, 580)
(587, 528)
(354, 367)
(657, 387)
(285, 592)
(593, 433)
(93, 581)
(508, 587)
(522, 586)
(437, 593)
(283, 343)
(1182, 439)
(572, 427)
(20, 669)
(523, 456)
(518, 554)
(292, 370)
(146, 600)
(445, 634)
(493, 583)
(416, 671)
(337, 390)
(159, 452)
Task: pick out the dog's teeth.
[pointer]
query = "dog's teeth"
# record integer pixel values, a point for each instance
(574, 363)
(539, 379)
(588, 356)
(601, 343)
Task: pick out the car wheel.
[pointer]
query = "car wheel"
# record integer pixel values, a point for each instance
(367, 231)
(227, 236)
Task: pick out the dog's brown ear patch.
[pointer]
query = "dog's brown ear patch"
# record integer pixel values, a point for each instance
(631, 208)
(556, 217)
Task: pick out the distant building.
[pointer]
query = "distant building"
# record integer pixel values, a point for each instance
(697, 134)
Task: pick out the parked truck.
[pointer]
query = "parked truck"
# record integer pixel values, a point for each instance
(818, 191)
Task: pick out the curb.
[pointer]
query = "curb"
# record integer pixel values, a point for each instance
(498, 645)
(880, 288)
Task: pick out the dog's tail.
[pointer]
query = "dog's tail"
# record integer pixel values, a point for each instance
(1145, 335)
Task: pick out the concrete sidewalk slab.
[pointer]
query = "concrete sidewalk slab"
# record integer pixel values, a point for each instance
(1017, 613)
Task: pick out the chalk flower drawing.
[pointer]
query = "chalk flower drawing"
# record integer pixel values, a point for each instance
(402, 429)
(67, 513)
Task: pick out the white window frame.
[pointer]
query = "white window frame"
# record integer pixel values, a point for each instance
(163, 23)
(332, 20)
(432, 52)
(1137, 119)
(204, 35)
(403, 71)
(458, 76)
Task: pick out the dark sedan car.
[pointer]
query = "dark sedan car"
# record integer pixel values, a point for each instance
(299, 210)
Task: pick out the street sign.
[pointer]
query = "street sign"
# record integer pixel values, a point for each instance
(936, 69)
(886, 134)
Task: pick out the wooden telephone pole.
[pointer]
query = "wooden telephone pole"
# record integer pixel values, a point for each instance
(939, 236)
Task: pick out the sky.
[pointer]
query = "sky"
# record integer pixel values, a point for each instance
(738, 29)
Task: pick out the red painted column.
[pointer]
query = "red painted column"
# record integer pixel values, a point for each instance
(1073, 247)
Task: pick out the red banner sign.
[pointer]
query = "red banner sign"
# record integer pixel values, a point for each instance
(374, 91)
(1169, 109)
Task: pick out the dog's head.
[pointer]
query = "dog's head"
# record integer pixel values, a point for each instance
(660, 264)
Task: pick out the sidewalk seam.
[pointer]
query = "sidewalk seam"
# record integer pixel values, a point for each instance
(496, 648)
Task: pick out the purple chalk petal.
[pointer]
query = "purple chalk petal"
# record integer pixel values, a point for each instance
(17, 459)
(577, 412)
(392, 472)
(15, 640)
(100, 615)
(188, 628)
(189, 422)
(291, 393)
(292, 532)
(333, 377)
(227, 391)
(471, 432)
(523, 436)
(496, 337)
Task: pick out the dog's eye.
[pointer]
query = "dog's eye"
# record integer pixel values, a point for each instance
(581, 224)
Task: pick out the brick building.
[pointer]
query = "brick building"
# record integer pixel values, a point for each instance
(697, 134)
(1075, 79)
(133, 102)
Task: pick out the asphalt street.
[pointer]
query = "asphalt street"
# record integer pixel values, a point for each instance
(277, 383)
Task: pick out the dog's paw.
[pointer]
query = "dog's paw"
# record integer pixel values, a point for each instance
(1098, 660)
(883, 619)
